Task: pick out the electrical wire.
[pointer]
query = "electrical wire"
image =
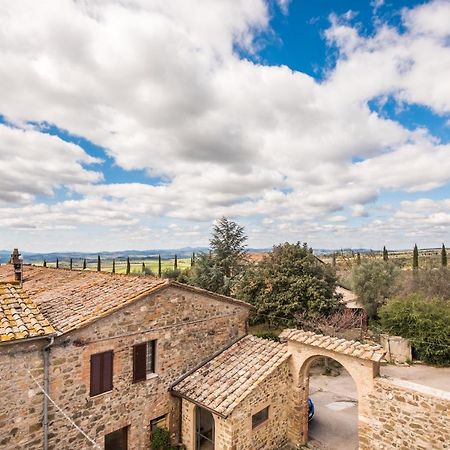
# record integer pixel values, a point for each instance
(94, 444)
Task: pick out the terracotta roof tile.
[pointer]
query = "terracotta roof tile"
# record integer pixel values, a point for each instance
(222, 383)
(20, 318)
(70, 299)
(372, 351)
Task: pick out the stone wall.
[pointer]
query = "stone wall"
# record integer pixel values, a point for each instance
(398, 349)
(235, 432)
(406, 416)
(188, 327)
(21, 400)
(272, 434)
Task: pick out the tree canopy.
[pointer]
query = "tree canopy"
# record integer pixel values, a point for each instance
(218, 270)
(288, 281)
(373, 282)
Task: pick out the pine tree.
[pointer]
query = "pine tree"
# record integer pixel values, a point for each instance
(415, 257)
(443, 256)
(228, 245)
(385, 254)
(128, 265)
(99, 264)
(219, 269)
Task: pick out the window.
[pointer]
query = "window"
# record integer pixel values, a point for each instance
(117, 440)
(143, 360)
(101, 372)
(159, 422)
(260, 417)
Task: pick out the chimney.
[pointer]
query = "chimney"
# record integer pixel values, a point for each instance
(17, 262)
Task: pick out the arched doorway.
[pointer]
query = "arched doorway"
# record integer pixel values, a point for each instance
(204, 429)
(361, 360)
(335, 398)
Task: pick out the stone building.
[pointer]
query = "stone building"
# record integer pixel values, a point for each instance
(106, 348)
(120, 356)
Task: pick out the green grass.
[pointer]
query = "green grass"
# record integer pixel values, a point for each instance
(121, 266)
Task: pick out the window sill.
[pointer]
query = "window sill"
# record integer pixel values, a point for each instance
(261, 425)
(100, 394)
(149, 376)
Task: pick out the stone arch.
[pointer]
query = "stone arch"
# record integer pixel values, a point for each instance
(362, 361)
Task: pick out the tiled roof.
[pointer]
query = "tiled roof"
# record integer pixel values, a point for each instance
(20, 318)
(372, 351)
(223, 382)
(72, 299)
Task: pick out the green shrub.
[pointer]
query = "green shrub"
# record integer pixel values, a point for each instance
(267, 335)
(161, 439)
(425, 322)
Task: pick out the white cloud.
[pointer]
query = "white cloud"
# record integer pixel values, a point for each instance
(161, 87)
(33, 164)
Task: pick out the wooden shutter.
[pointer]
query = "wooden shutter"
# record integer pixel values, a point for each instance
(96, 374)
(101, 372)
(139, 362)
(107, 371)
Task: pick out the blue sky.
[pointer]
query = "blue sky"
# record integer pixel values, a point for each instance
(137, 125)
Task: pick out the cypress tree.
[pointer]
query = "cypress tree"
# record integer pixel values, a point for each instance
(333, 260)
(358, 258)
(99, 264)
(175, 263)
(113, 266)
(443, 256)
(57, 263)
(45, 263)
(193, 259)
(415, 257)
(385, 254)
(159, 266)
(128, 265)
(84, 264)
(71, 265)
(143, 267)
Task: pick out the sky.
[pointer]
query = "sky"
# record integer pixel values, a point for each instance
(135, 124)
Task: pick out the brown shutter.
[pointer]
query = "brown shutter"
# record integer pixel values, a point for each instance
(139, 362)
(101, 372)
(95, 374)
(107, 371)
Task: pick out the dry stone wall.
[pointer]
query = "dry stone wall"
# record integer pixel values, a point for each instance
(406, 416)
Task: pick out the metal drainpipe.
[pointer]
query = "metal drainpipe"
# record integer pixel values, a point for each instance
(46, 352)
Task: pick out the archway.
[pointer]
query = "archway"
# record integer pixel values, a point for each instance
(360, 360)
(335, 399)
